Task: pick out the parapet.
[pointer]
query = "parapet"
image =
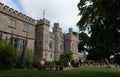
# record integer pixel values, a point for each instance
(43, 21)
(14, 13)
(56, 24)
(70, 30)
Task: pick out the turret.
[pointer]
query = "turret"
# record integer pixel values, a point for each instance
(59, 42)
(70, 30)
(42, 38)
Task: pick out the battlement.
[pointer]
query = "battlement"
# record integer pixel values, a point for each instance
(43, 21)
(70, 30)
(14, 13)
(56, 24)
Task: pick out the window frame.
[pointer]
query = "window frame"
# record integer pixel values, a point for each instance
(12, 23)
(25, 27)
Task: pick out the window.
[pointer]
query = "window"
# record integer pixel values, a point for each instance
(15, 42)
(0, 35)
(21, 44)
(18, 43)
(50, 45)
(61, 46)
(12, 23)
(25, 28)
(46, 55)
(61, 34)
(51, 56)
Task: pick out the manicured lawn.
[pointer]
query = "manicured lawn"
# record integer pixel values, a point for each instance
(78, 72)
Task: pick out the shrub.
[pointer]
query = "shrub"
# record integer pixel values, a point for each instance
(7, 55)
(36, 61)
(28, 60)
(50, 63)
(66, 57)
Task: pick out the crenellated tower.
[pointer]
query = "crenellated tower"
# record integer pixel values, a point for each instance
(42, 38)
(71, 43)
(59, 41)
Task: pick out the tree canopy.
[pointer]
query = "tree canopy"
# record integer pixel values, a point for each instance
(101, 18)
(84, 42)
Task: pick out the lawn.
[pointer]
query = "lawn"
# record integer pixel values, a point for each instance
(78, 72)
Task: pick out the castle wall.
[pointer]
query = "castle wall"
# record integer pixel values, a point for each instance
(14, 13)
(14, 22)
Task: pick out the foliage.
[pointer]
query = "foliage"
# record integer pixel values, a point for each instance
(28, 61)
(66, 57)
(84, 42)
(36, 61)
(29, 58)
(117, 58)
(101, 18)
(50, 63)
(57, 63)
(7, 55)
(21, 61)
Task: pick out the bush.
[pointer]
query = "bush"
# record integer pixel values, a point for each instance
(117, 58)
(57, 63)
(7, 55)
(28, 60)
(66, 57)
(50, 63)
(36, 61)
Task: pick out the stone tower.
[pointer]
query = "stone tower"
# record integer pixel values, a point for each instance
(59, 41)
(71, 43)
(42, 38)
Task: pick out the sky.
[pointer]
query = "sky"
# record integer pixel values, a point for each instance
(63, 11)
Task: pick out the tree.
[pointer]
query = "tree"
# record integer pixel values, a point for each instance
(84, 42)
(101, 18)
(21, 61)
(66, 57)
(7, 55)
(117, 58)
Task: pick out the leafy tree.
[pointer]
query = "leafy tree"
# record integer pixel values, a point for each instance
(21, 61)
(66, 57)
(84, 42)
(101, 18)
(7, 55)
(29, 55)
(117, 58)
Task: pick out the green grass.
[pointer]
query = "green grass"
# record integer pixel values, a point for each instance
(78, 72)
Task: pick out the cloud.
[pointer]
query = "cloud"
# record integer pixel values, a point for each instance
(63, 11)
(10, 3)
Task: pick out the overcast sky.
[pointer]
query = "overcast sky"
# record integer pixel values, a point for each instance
(63, 11)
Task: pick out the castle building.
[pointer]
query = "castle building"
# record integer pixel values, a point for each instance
(50, 45)
(18, 24)
(45, 44)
